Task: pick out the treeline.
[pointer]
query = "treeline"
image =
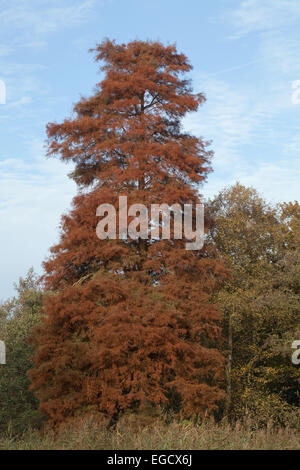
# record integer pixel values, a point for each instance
(141, 323)
(260, 305)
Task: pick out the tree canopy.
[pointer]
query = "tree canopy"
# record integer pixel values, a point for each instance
(130, 322)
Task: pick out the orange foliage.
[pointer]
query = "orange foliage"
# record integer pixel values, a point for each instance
(128, 322)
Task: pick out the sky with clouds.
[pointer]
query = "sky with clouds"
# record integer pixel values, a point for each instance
(246, 58)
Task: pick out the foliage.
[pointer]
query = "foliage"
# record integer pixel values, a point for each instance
(261, 309)
(130, 322)
(19, 316)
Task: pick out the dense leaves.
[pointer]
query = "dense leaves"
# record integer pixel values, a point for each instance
(260, 303)
(130, 323)
(18, 317)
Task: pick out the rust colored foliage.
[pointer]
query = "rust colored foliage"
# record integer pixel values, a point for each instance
(128, 323)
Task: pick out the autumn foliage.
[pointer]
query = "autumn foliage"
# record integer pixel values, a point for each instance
(130, 323)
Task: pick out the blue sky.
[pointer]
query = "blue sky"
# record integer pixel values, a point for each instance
(246, 56)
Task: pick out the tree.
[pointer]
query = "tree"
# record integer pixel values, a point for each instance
(130, 323)
(18, 317)
(260, 303)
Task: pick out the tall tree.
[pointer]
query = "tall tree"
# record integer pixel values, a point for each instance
(130, 322)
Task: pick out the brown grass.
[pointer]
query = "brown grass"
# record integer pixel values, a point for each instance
(133, 433)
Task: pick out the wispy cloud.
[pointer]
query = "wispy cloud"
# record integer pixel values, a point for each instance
(33, 195)
(249, 113)
(34, 191)
(39, 18)
(263, 15)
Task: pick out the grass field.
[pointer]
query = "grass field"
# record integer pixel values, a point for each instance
(134, 434)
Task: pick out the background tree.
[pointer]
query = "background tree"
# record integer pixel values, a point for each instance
(130, 322)
(260, 303)
(18, 317)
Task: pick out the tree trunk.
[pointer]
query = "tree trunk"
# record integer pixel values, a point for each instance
(229, 368)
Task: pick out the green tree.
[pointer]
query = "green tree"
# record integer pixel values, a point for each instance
(18, 316)
(260, 303)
